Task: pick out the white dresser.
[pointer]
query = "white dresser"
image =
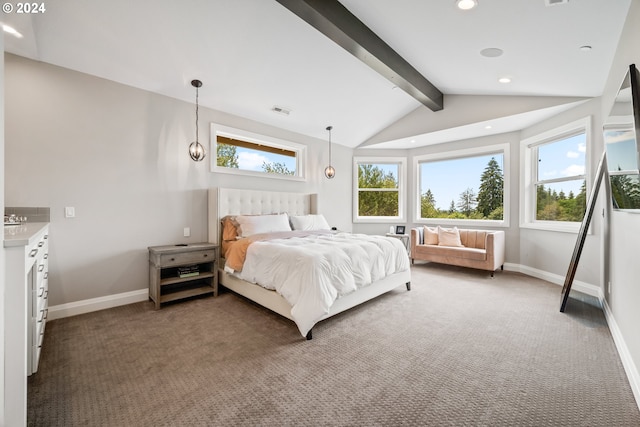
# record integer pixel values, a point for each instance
(26, 308)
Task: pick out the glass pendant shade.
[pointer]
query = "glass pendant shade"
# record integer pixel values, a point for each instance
(196, 150)
(329, 171)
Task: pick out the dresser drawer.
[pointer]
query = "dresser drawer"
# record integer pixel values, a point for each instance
(194, 257)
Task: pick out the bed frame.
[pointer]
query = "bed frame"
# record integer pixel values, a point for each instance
(229, 201)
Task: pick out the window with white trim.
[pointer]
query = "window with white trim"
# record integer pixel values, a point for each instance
(554, 166)
(468, 187)
(240, 152)
(379, 189)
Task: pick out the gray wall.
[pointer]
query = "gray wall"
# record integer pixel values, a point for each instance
(119, 156)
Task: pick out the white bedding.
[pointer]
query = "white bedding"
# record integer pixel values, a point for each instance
(311, 272)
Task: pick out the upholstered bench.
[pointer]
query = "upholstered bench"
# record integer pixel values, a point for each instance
(481, 249)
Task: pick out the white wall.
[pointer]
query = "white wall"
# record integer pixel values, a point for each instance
(119, 156)
(622, 266)
(2, 254)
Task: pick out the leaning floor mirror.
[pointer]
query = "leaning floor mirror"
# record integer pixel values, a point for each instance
(621, 138)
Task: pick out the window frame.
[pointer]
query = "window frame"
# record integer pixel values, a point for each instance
(501, 148)
(230, 132)
(402, 189)
(529, 171)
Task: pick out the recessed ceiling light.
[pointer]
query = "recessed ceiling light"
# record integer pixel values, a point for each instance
(504, 79)
(466, 4)
(491, 52)
(413, 141)
(10, 30)
(585, 48)
(487, 127)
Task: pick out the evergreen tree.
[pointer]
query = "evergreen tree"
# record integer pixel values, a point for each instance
(428, 205)
(467, 202)
(491, 194)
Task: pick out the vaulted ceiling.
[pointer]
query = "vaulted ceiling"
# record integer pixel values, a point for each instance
(254, 55)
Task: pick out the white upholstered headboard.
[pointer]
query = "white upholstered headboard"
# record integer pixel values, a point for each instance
(232, 201)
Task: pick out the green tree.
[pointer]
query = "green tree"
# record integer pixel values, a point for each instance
(428, 205)
(277, 167)
(227, 156)
(372, 202)
(467, 202)
(491, 194)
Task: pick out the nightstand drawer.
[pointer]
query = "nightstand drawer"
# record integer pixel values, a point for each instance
(167, 260)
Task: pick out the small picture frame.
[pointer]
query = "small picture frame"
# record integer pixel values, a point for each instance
(399, 229)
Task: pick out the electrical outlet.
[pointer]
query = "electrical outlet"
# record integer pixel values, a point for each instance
(69, 212)
(187, 232)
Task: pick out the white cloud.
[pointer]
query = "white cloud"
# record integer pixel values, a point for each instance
(573, 170)
(573, 155)
(582, 147)
(551, 173)
(251, 161)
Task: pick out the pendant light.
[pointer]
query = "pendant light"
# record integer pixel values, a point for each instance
(329, 171)
(196, 150)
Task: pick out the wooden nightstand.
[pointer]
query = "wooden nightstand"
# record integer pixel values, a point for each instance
(182, 271)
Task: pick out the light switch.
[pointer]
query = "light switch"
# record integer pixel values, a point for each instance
(187, 232)
(69, 212)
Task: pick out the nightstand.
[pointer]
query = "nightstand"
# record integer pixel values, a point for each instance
(182, 271)
(403, 237)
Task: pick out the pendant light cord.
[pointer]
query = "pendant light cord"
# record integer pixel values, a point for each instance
(329, 129)
(197, 114)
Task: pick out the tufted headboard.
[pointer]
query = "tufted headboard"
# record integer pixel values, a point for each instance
(232, 201)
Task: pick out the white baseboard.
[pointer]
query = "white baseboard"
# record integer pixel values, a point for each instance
(585, 288)
(95, 304)
(630, 367)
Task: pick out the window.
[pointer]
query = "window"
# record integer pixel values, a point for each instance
(464, 186)
(241, 152)
(379, 189)
(555, 178)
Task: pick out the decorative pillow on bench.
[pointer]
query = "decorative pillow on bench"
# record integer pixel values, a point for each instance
(430, 235)
(448, 237)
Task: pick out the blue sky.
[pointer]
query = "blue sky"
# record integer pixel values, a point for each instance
(252, 159)
(621, 150)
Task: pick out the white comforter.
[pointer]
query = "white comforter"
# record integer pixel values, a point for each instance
(311, 272)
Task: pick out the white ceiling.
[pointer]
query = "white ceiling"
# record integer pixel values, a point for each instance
(252, 55)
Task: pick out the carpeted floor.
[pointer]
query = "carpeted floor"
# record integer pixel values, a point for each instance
(459, 349)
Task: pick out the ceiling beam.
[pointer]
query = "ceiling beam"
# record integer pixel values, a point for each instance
(333, 20)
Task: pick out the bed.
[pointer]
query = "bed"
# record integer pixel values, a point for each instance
(226, 202)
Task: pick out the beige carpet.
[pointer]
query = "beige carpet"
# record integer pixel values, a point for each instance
(459, 349)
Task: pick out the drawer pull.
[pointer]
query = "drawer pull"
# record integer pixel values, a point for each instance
(33, 253)
(206, 255)
(46, 295)
(40, 268)
(46, 256)
(41, 293)
(46, 236)
(46, 314)
(40, 244)
(46, 274)
(173, 259)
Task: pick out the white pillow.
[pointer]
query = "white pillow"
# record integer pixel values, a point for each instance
(449, 236)
(255, 224)
(309, 222)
